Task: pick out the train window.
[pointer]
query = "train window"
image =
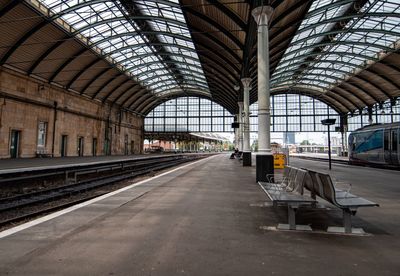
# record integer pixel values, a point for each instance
(367, 141)
(386, 140)
(394, 140)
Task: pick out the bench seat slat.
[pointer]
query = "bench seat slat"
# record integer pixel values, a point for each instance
(289, 198)
(355, 202)
(271, 185)
(285, 197)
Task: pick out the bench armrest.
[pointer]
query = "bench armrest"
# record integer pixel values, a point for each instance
(347, 188)
(279, 184)
(271, 178)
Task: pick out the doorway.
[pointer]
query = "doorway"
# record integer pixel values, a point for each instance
(126, 149)
(64, 143)
(132, 147)
(94, 147)
(80, 146)
(107, 141)
(14, 143)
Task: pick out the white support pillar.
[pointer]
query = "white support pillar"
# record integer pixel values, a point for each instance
(265, 162)
(246, 113)
(261, 15)
(237, 134)
(246, 122)
(240, 119)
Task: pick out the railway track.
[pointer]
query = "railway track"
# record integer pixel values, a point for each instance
(337, 161)
(22, 207)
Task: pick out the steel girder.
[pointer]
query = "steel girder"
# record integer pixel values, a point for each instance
(104, 85)
(349, 94)
(216, 25)
(351, 31)
(130, 34)
(134, 58)
(135, 95)
(300, 63)
(376, 72)
(125, 92)
(343, 54)
(123, 18)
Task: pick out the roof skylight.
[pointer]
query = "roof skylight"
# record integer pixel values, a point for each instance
(149, 39)
(322, 56)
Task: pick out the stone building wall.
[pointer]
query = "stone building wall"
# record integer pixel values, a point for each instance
(25, 102)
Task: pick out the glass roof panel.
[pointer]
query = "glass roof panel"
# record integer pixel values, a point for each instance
(145, 42)
(318, 45)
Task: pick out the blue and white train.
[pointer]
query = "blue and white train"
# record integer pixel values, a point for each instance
(377, 144)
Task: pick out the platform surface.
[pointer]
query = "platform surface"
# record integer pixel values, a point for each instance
(35, 164)
(319, 156)
(17, 163)
(208, 218)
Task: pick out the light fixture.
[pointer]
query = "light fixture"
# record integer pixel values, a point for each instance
(236, 87)
(328, 123)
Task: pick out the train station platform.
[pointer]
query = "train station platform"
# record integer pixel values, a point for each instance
(320, 156)
(36, 164)
(208, 218)
(28, 163)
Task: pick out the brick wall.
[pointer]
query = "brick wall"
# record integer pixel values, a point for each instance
(24, 102)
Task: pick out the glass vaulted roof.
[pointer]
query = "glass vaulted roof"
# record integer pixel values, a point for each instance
(334, 40)
(149, 39)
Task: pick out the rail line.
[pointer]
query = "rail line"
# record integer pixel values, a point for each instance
(338, 161)
(33, 204)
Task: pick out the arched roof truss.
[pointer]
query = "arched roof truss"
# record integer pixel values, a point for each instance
(337, 49)
(138, 35)
(90, 43)
(137, 53)
(225, 35)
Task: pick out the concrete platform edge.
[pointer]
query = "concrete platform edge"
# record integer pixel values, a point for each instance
(32, 223)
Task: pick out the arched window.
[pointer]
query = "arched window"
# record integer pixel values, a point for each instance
(295, 113)
(385, 112)
(189, 114)
(290, 113)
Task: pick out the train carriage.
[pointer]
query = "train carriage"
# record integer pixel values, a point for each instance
(377, 144)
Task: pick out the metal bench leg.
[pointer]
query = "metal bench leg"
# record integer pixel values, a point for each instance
(347, 227)
(292, 218)
(292, 221)
(347, 220)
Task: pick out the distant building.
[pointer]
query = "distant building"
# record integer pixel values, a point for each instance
(289, 138)
(336, 141)
(159, 145)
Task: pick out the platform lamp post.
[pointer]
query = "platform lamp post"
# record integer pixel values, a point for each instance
(329, 122)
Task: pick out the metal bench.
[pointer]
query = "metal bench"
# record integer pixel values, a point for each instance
(43, 153)
(282, 181)
(289, 192)
(321, 185)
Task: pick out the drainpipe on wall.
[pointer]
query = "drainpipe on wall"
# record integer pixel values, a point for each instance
(2, 103)
(54, 128)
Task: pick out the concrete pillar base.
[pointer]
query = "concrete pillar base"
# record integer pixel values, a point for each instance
(247, 159)
(264, 166)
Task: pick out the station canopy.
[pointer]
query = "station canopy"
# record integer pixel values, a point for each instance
(138, 54)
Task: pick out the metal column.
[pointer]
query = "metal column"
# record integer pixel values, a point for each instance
(264, 159)
(246, 122)
(237, 134)
(240, 119)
